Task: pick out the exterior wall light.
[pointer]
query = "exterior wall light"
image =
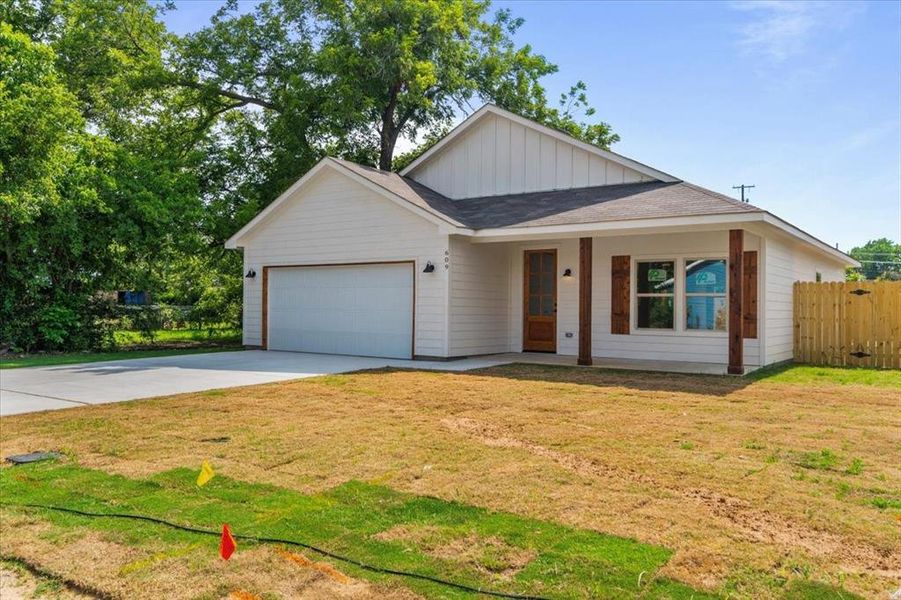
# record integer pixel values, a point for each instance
(251, 274)
(429, 267)
(568, 273)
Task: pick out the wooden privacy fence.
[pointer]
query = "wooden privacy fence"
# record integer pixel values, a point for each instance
(850, 323)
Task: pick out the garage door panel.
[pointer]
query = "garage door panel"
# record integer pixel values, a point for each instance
(361, 309)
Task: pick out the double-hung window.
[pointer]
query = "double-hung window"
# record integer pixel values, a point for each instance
(705, 294)
(655, 291)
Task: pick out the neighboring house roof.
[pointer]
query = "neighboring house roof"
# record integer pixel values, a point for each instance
(472, 119)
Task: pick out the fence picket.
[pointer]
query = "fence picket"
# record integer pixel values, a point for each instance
(831, 322)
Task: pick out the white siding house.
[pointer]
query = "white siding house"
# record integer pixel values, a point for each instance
(478, 247)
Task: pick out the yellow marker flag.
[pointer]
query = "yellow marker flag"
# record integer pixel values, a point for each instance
(206, 473)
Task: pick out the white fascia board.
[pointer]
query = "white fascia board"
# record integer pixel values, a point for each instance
(232, 242)
(434, 217)
(559, 135)
(628, 227)
(444, 224)
(823, 247)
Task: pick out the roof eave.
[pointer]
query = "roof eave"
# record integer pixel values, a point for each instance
(444, 222)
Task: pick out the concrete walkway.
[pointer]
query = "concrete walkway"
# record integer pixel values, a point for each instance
(65, 386)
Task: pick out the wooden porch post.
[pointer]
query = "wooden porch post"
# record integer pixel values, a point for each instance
(584, 301)
(736, 344)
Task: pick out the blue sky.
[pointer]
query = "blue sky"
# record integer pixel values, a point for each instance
(802, 100)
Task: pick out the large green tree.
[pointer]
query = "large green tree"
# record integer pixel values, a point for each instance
(880, 259)
(81, 212)
(129, 154)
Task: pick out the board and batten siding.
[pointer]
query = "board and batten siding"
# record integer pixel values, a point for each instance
(336, 220)
(785, 263)
(479, 298)
(498, 156)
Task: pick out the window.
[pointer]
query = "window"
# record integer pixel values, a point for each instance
(705, 294)
(655, 283)
(819, 277)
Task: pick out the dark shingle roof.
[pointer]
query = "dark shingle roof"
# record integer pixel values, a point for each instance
(596, 204)
(561, 207)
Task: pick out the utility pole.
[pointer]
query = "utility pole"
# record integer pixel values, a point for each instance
(743, 187)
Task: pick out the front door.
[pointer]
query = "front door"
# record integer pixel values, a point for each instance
(540, 301)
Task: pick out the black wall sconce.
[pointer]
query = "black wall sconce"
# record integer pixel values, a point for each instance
(429, 267)
(568, 273)
(251, 274)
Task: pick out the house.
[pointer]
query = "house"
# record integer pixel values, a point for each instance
(509, 236)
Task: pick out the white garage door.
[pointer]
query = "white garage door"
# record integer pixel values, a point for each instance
(364, 310)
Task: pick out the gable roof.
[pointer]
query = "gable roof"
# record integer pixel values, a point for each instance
(596, 205)
(581, 207)
(409, 190)
(470, 121)
(388, 185)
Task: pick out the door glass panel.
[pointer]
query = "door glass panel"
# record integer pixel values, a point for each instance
(534, 283)
(534, 262)
(534, 305)
(547, 283)
(547, 262)
(547, 304)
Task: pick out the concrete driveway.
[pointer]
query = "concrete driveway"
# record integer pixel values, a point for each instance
(65, 386)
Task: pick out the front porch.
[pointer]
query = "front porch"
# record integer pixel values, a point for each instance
(585, 300)
(627, 364)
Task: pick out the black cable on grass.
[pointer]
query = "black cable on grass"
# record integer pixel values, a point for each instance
(268, 540)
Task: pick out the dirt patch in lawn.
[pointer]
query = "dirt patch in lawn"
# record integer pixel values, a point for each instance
(93, 565)
(756, 525)
(705, 466)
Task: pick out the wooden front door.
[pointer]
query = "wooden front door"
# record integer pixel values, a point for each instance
(540, 301)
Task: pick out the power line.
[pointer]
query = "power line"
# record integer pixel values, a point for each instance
(743, 187)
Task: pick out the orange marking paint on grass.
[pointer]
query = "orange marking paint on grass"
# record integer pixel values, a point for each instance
(242, 595)
(324, 568)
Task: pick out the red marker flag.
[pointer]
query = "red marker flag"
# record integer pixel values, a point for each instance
(227, 545)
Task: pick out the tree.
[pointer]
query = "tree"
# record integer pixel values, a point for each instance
(880, 259)
(351, 77)
(129, 154)
(80, 213)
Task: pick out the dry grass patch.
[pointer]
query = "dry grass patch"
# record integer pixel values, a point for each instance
(729, 473)
(488, 554)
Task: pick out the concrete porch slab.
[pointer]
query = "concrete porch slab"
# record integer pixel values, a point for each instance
(666, 366)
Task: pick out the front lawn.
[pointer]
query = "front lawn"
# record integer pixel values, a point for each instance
(550, 480)
(368, 523)
(44, 360)
(217, 335)
(133, 344)
(807, 374)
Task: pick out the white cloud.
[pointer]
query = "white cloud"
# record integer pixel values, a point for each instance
(781, 29)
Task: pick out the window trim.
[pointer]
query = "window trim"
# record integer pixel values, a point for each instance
(679, 304)
(635, 294)
(686, 294)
